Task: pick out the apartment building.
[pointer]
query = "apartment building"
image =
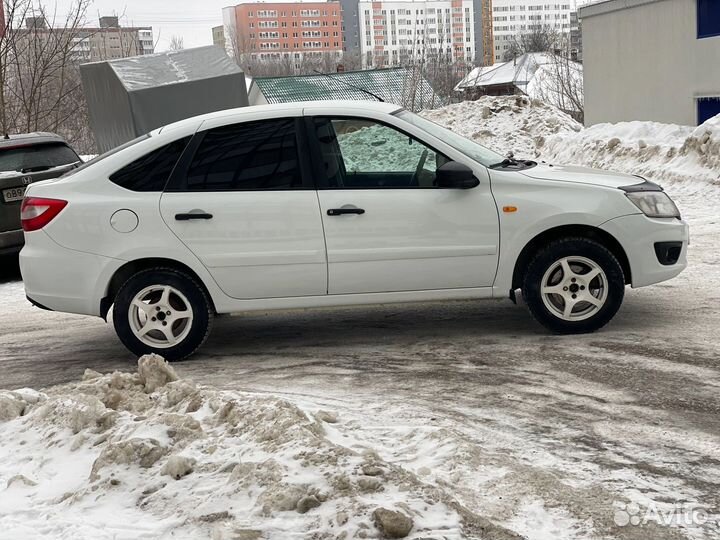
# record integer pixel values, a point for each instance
(651, 60)
(289, 31)
(110, 41)
(400, 32)
(514, 17)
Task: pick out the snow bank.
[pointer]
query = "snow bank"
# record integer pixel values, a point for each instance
(530, 128)
(661, 151)
(506, 123)
(148, 454)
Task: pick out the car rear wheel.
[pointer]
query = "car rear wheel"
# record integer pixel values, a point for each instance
(162, 311)
(574, 285)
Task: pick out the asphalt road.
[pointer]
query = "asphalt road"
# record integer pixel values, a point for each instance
(583, 424)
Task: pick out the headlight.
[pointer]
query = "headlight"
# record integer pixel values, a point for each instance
(654, 204)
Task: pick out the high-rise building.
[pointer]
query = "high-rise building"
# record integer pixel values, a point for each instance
(514, 17)
(290, 31)
(484, 45)
(351, 27)
(398, 32)
(575, 37)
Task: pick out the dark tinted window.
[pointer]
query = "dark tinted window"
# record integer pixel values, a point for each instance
(37, 157)
(249, 156)
(151, 172)
(708, 18)
(707, 108)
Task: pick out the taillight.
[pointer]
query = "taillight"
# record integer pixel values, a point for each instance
(36, 212)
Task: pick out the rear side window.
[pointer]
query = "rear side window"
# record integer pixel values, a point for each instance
(152, 171)
(247, 157)
(35, 158)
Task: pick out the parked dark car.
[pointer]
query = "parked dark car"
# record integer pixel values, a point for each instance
(25, 159)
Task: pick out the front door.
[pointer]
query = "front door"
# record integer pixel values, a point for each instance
(245, 208)
(388, 227)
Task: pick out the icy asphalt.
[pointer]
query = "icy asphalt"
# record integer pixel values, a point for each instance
(547, 436)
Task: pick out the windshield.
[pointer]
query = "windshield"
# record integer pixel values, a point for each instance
(468, 147)
(38, 157)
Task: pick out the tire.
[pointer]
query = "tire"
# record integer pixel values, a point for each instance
(162, 311)
(578, 296)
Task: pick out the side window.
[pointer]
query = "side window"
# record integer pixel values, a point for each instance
(249, 156)
(708, 19)
(362, 153)
(152, 171)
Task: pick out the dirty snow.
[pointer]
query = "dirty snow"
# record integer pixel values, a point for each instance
(505, 123)
(147, 455)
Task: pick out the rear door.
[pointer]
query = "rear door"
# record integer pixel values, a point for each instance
(246, 206)
(388, 227)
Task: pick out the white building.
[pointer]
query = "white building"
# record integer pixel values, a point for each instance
(513, 17)
(651, 60)
(391, 33)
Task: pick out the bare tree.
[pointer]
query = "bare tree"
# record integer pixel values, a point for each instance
(538, 38)
(177, 43)
(40, 88)
(560, 83)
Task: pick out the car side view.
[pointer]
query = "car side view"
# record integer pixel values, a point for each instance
(25, 159)
(334, 203)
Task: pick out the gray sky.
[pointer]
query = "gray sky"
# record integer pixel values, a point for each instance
(191, 19)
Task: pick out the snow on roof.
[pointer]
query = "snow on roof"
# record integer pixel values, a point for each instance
(518, 72)
(171, 67)
(532, 74)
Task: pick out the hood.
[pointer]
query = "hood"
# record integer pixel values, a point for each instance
(582, 175)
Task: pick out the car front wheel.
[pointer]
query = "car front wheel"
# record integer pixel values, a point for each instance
(574, 285)
(162, 311)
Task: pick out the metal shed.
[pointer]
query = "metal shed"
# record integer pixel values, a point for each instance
(132, 96)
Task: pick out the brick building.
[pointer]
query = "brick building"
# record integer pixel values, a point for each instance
(289, 31)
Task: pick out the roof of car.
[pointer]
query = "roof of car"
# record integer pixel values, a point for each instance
(24, 139)
(341, 106)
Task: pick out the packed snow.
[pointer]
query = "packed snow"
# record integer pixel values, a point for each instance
(532, 129)
(505, 124)
(148, 455)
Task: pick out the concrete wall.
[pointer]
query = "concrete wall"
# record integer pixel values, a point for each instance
(644, 62)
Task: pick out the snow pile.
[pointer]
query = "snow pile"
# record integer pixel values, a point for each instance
(506, 123)
(147, 454)
(659, 151)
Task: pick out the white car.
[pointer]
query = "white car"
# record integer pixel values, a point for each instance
(334, 203)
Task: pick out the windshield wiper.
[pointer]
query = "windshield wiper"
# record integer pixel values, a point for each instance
(507, 162)
(512, 162)
(35, 169)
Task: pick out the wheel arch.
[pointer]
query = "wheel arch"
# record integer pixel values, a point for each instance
(131, 268)
(563, 231)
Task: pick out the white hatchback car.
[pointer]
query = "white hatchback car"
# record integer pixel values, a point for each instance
(334, 203)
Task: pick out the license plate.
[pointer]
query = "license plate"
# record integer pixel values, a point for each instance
(13, 194)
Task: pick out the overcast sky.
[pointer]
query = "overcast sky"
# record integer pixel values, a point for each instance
(191, 19)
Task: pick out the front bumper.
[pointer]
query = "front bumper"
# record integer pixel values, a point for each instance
(639, 235)
(11, 241)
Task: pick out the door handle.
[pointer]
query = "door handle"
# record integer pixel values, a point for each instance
(193, 215)
(342, 211)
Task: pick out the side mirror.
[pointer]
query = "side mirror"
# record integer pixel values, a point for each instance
(456, 175)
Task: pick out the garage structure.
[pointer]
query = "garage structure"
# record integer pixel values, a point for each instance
(651, 60)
